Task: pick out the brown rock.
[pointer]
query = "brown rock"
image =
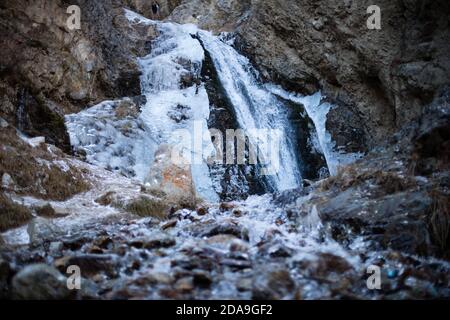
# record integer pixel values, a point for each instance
(170, 224)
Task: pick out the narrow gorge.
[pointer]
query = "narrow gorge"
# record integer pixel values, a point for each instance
(212, 149)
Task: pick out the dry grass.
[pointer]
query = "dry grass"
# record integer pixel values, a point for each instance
(160, 207)
(151, 202)
(32, 177)
(350, 176)
(148, 207)
(106, 199)
(154, 192)
(61, 185)
(12, 215)
(47, 211)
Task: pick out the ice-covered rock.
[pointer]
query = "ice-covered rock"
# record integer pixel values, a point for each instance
(40, 282)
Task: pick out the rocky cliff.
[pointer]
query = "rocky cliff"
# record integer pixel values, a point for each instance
(378, 80)
(48, 70)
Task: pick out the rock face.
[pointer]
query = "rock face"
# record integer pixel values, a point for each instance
(155, 10)
(377, 79)
(48, 70)
(216, 15)
(397, 196)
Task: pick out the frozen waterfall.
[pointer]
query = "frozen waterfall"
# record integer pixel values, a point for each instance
(177, 101)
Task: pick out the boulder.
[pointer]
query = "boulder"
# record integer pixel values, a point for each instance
(40, 282)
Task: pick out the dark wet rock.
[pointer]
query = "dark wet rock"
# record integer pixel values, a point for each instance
(350, 135)
(280, 251)
(40, 282)
(90, 264)
(201, 211)
(289, 196)
(104, 242)
(201, 262)
(147, 9)
(5, 276)
(154, 242)
(76, 241)
(225, 228)
(311, 161)
(237, 213)
(154, 278)
(432, 139)
(89, 290)
(159, 243)
(227, 206)
(272, 282)
(395, 221)
(236, 264)
(94, 250)
(328, 263)
(169, 224)
(238, 245)
(202, 279)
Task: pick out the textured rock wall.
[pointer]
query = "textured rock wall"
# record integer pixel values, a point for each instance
(144, 7)
(214, 15)
(48, 70)
(378, 79)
